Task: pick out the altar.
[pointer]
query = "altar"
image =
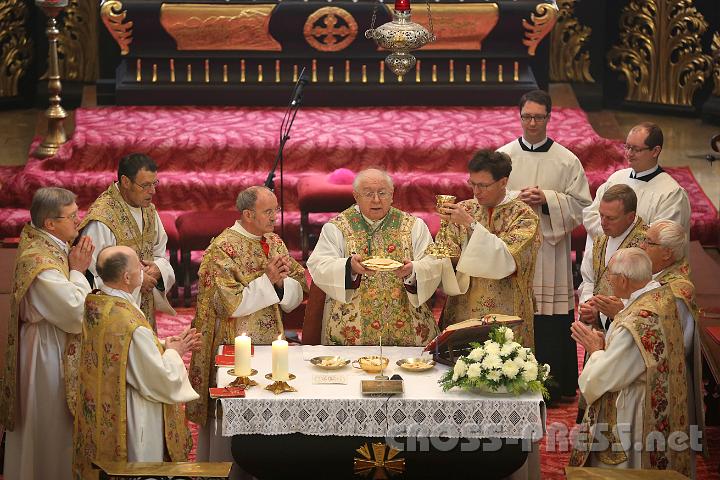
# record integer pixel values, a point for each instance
(321, 425)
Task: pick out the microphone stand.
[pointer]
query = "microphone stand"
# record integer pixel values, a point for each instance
(285, 126)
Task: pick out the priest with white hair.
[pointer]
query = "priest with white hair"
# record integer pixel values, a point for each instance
(635, 378)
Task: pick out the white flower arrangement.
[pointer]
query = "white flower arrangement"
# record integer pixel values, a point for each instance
(498, 364)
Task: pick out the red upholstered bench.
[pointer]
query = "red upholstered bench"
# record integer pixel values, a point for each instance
(173, 244)
(316, 195)
(196, 230)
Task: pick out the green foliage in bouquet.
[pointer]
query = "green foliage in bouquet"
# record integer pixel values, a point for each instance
(498, 364)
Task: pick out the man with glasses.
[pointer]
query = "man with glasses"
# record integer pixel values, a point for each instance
(552, 181)
(660, 197)
(124, 215)
(493, 221)
(246, 278)
(46, 309)
(362, 305)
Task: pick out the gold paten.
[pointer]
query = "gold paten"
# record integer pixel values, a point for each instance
(539, 25)
(715, 50)
(660, 51)
(458, 26)
(569, 55)
(380, 462)
(113, 16)
(17, 52)
(196, 26)
(330, 29)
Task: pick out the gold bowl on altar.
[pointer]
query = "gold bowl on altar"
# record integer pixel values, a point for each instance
(416, 364)
(329, 362)
(372, 363)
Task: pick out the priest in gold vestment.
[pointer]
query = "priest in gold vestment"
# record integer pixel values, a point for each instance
(361, 304)
(124, 215)
(499, 237)
(635, 378)
(131, 386)
(246, 279)
(46, 309)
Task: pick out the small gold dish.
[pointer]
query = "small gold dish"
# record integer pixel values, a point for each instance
(419, 364)
(371, 364)
(381, 264)
(329, 362)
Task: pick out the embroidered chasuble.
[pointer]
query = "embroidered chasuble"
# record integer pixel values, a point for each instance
(101, 422)
(111, 210)
(660, 198)
(515, 224)
(381, 303)
(599, 260)
(656, 396)
(37, 252)
(230, 263)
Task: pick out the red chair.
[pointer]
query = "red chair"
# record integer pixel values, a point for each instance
(317, 195)
(196, 230)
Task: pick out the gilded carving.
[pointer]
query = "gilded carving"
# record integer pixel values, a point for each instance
(196, 26)
(539, 25)
(330, 29)
(459, 26)
(113, 16)
(715, 49)
(660, 52)
(78, 42)
(569, 57)
(16, 46)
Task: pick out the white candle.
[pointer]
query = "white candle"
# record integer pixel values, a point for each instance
(242, 355)
(280, 360)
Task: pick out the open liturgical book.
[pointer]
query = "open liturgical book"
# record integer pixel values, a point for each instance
(455, 340)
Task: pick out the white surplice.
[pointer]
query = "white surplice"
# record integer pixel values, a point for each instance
(40, 447)
(661, 198)
(328, 261)
(152, 380)
(561, 177)
(103, 237)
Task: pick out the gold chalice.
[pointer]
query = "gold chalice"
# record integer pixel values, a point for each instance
(442, 248)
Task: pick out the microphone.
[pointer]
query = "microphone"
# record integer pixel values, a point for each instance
(297, 96)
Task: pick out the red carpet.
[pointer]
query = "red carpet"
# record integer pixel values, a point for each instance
(206, 155)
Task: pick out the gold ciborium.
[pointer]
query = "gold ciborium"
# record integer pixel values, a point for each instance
(442, 248)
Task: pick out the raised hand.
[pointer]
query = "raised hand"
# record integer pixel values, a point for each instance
(452, 212)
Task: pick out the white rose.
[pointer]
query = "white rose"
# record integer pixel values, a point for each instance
(477, 354)
(474, 370)
(492, 348)
(510, 369)
(494, 375)
(460, 369)
(530, 371)
(492, 361)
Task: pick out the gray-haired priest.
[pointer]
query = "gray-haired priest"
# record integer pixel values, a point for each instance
(362, 304)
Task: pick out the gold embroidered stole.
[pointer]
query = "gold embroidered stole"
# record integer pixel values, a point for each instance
(381, 302)
(111, 210)
(37, 252)
(516, 224)
(653, 322)
(633, 239)
(100, 429)
(230, 263)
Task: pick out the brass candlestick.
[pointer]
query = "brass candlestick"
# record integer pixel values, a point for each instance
(241, 380)
(56, 114)
(280, 386)
(441, 248)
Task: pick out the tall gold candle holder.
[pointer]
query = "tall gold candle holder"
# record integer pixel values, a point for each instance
(280, 386)
(441, 248)
(55, 114)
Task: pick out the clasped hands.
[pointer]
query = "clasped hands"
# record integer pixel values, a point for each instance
(532, 196)
(606, 304)
(188, 341)
(357, 267)
(278, 269)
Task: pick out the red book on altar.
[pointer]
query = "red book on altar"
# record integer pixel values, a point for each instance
(227, 392)
(230, 350)
(455, 340)
(224, 360)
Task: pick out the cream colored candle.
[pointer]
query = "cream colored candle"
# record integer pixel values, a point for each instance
(280, 360)
(242, 355)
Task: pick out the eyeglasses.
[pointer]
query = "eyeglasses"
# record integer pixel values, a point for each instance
(634, 149)
(526, 117)
(72, 216)
(481, 186)
(270, 211)
(382, 195)
(147, 186)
